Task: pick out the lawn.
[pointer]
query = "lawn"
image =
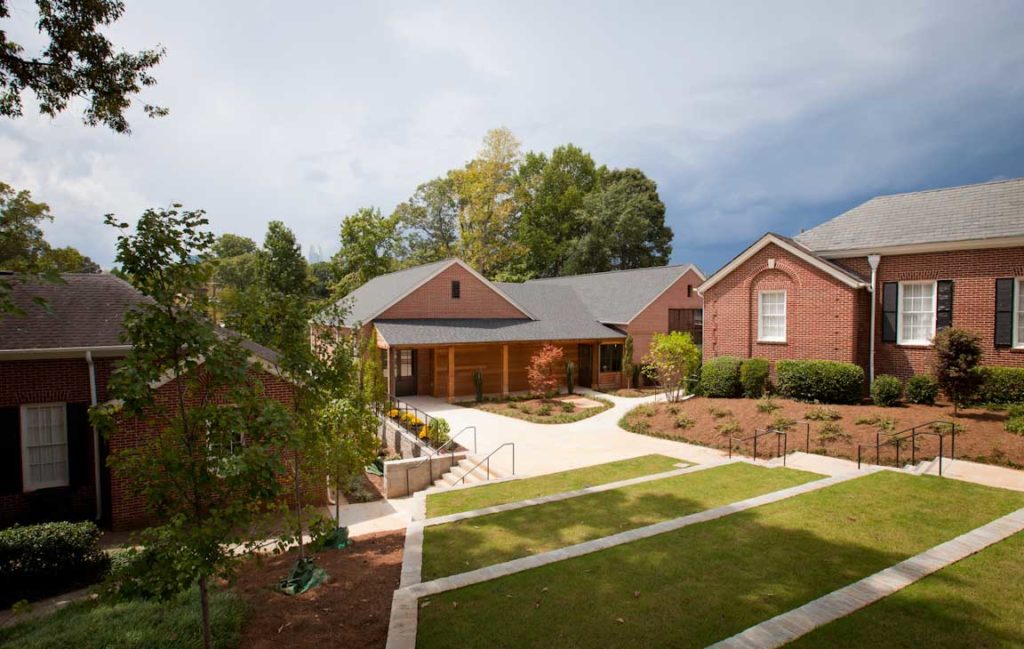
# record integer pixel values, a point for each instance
(563, 409)
(464, 500)
(487, 540)
(706, 582)
(710, 422)
(131, 624)
(976, 602)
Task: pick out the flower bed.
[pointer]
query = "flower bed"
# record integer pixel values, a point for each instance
(563, 409)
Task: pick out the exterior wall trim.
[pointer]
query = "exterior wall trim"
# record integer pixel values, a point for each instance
(62, 352)
(939, 246)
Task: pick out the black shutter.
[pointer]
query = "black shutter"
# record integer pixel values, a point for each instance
(79, 436)
(890, 302)
(1004, 312)
(944, 304)
(10, 451)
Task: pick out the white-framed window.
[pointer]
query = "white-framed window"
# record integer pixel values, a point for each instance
(771, 316)
(1018, 312)
(915, 322)
(44, 446)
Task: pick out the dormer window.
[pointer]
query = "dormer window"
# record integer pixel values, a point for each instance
(456, 289)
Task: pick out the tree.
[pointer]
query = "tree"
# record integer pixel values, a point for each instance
(429, 222)
(550, 192)
(673, 357)
(212, 461)
(627, 360)
(957, 356)
(232, 245)
(544, 373)
(77, 62)
(369, 247)
(624, 221)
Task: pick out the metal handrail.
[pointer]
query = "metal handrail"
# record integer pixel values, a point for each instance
(430, 458)
(488, 461)
(781, 442)
(403, 407)
(911, 433)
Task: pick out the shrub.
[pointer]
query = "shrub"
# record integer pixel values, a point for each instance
(781, 422)
(886, 390)
(729, 428)
(671, 361)
(720, 377)
(478, 384)
(544, 410)
(718, 413)
(821, 381)
(1015, 410)
(46, 559)
(957, 354)
(645, 410)
(923, 389)
(684, 421)
(570, 377)
(754, 377)
(672, 410)
(541, 372)
(1015, 425)
(1001, 385)
(822, 413)
(831, 432)
(437, 431)
(767, 405)
(568, 407)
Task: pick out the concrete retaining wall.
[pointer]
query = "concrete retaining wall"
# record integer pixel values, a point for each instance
(400, 479)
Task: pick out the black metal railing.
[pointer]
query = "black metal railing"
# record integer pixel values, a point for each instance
(781, 442)
(450, 444)
(400, 412)
(896, 440)
(487, 460)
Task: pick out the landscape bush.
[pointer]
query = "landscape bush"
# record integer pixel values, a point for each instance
(767, 404)
(684, 421)
(50, 558)
(922, 389)
(886, 390)
(821, 381)
(822, 413)
(754, 377)
(720, 377)
(1001, 385)
(957, 356)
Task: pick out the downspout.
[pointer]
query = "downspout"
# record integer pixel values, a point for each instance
(95, 438)
(873, 262)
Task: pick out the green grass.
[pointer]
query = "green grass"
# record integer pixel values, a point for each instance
(131, 624)
(450, 502)
(706, 582)
(487, 540)
(976, 602)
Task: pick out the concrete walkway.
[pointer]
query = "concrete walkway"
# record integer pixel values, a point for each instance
(547, 448)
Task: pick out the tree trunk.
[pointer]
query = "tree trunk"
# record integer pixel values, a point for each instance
(204, 607)
(298, 509)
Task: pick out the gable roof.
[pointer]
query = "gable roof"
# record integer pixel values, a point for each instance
(982, 212)
(844, 275)
(380, 293)
(84, 311)
(618, 296)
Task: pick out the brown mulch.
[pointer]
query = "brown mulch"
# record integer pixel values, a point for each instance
(372, 489)
(351, 609)
(983, 438)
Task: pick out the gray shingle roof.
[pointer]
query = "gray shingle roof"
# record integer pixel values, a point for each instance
(618, 296)
(985, 211)
(378, 293)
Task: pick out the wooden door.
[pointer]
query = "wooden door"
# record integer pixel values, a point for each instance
(405, 372)
(585, 366)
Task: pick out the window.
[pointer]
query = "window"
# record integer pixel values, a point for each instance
(771, 316)
(404, 362)
(456, 289)
(1018, 313)
(611, 358)
(44, 446)
(689, 290)
(916, 318)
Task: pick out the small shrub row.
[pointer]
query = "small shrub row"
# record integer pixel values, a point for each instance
(886, 391)
(729, 377)
(822, 381)
(46, 559)
(754, 377)
(922, 389)
(1001, 385)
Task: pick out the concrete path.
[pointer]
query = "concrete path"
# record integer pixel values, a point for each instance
(986, 474)
(547, 448)
(787, 627)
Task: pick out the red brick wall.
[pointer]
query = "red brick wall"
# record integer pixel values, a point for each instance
(973, 273)
(654, 318)
(434, 299)
(821, 311)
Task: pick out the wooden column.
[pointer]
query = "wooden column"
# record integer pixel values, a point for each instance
(451, 374)
(504, 370)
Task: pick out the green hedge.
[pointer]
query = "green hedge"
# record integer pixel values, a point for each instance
(720, 377)
(41, 560)
(923, 389)
(1001, 385)
(886, 390)
(822, 381)
(754, 377)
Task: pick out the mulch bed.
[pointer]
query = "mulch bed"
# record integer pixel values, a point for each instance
(983, 438)
(351, 609)
(371, 489)
(531, 409)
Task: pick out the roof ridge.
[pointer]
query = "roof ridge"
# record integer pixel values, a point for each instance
(607, 272)
(946, 189)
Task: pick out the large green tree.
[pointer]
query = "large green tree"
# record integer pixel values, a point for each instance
(210, 465)
(370, 246)
(77, 61)
(429, 222)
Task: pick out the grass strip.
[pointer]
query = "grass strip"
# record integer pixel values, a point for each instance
(477, 542)
(464, 500)
(706, 582)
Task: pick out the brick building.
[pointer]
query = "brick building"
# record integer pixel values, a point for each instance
(55, 363)
(438, 324)
(873, 285)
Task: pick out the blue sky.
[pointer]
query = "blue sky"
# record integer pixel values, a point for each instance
(751, 116)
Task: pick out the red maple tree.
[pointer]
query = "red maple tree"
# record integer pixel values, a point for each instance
(544, 371)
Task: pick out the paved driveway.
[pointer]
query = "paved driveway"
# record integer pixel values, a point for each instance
(545, 448)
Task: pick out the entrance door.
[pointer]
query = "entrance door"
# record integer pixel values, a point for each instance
(405, 372)
(585, 366)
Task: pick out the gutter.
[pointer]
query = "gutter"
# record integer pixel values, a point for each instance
(95, 437)
(873, 262)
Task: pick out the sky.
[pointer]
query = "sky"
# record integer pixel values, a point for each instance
(750, 116)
